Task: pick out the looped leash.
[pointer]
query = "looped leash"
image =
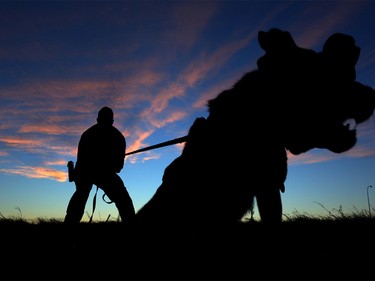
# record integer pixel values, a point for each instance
(109, 201)
(72, 176)
(94, 203)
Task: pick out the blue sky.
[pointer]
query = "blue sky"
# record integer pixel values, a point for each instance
(155, 63)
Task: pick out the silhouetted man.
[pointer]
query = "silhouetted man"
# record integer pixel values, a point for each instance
(101, 154)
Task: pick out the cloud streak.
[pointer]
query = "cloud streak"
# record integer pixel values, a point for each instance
(155, 76)
(37, 173)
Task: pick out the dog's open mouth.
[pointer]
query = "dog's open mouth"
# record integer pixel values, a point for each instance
(341, 137)
(350, 124)
(338, 136)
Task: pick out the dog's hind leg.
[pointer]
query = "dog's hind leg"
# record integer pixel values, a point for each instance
(269, 205)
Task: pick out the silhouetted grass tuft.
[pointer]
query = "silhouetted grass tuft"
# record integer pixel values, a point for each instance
(335, 214)
(323, 247)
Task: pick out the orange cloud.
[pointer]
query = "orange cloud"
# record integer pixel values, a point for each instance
(56, 163)
(20, 141)
(138, 143)
(40, 146)
(37, 172)
(48, 129)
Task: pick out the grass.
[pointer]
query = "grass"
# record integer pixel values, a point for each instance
(337, 246)
(331, 215)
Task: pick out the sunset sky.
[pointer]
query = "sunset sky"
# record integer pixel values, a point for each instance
(156, 63)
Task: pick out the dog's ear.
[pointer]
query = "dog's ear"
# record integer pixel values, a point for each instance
(341, 48)
(276, 40)
(279, 48)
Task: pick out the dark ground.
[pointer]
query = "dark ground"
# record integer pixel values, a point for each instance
(297, 250)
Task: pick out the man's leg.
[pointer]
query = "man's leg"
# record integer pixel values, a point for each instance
(116, 191)
(77, 203)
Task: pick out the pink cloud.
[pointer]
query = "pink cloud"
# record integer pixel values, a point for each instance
(161, 100)
(199, 68)
(193, 73)
(311, 157)
(317, 32)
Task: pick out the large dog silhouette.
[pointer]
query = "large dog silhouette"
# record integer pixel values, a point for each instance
(297, 99)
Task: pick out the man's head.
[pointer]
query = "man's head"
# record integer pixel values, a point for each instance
(105, 116)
